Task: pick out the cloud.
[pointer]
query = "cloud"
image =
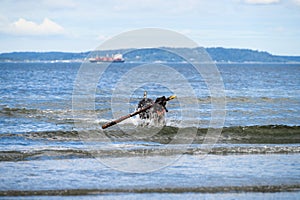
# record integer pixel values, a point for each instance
(102, 37)
(262, 1)
(29, 28)
(297, 2)
(185, 31)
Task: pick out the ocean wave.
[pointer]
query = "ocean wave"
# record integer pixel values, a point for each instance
(139, 150)
(14, 111)
(31, 112)
(269, 139)
(55, 116)
(241, 99)
(268, 134)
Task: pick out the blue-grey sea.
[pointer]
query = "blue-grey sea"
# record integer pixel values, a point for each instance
(44, 155)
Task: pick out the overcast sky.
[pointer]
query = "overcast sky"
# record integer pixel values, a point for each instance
(81, 25)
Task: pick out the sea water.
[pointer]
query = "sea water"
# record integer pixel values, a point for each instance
(43, 153)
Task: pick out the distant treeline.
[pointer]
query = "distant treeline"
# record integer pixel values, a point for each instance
(41, 56)
(217, 54)
(247, 55)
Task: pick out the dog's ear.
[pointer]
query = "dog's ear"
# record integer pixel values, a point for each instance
(161, 100)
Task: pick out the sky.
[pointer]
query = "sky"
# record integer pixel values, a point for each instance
(81, 25)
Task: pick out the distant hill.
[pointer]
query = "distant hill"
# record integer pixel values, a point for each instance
(41, 56)
(246, 55)
(217, 54)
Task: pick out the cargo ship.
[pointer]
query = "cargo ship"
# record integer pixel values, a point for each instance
(118, 58)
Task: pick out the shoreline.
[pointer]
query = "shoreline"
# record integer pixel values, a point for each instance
(212, 190)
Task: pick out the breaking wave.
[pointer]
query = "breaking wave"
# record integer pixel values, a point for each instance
(273, 134)
(269, 139)
(55, 153)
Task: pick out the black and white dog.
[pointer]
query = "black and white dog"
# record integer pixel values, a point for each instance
(156, 114)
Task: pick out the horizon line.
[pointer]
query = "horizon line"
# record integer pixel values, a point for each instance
(86, 51)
